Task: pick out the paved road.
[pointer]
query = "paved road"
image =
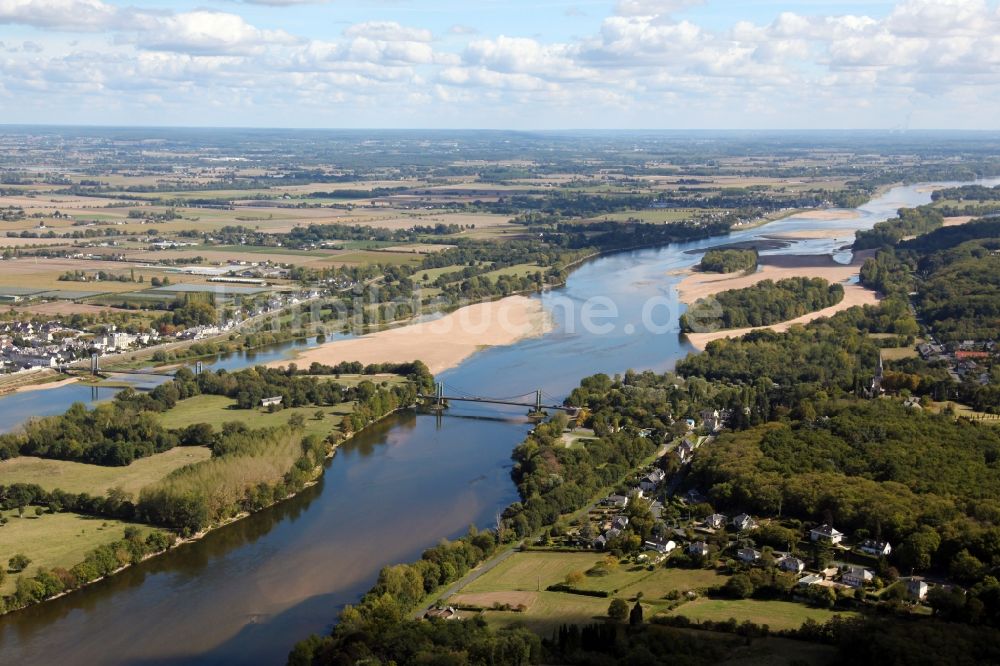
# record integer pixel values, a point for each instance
(484, 568)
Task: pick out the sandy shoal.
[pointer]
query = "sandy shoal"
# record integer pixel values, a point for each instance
(700, 285)
(44, 387)
(442, 343)
(853, 295)
(827, 214)
(958, 221)
(808, 234)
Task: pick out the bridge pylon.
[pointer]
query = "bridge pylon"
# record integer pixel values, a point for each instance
(537, 414)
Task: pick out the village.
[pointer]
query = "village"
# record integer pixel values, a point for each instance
(31, 344)
(656, 545)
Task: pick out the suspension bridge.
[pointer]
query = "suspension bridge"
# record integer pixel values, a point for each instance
(537, 401)
(95, 369)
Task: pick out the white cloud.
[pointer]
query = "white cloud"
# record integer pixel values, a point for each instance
(388, 31)
(653, 7)
(642, 61)
(71, 15)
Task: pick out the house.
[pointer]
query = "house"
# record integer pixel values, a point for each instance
(826, 533)
(857, 577)
(913, 402)
(792, 564)
(620, 522)
(748, 555)
(698, 549)
(613, 533)
(662, 546)
(689, 423)
(601, 542)
(744, 522)
(829, 573)
(876, 548)
(716, 521)
(711, 419)
(685, 450)
(448, 613)
(617, 501)
(917, 588)
(811, 579)
(652, 481)
(269, 402)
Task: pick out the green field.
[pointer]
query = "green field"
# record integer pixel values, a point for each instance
(650, 215)
(376, 257)
(547, 610)
(78, 477)
(775, 614)
(532, 571)
(54, 540)
(217, 410)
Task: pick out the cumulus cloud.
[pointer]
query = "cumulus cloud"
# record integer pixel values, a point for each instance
(653, 7)
(642, 58)
(71, 15)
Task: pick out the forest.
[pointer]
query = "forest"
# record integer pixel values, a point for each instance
(955, 274)
(765, 303)
(908, 222)
(728, 261)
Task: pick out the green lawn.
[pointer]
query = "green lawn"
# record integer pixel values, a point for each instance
(217, 410)
(775, 614)
(78, 477)
(547, 610)
(54, 540)
(666, 580)
(532, 571)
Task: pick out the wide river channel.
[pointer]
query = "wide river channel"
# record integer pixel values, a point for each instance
(246, 593)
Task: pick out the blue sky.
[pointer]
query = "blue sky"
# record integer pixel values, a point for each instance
(514, 64)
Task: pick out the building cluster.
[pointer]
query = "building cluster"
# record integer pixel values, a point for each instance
(25, 345)
(968, 360)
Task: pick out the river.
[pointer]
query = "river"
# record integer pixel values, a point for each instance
(246, 593)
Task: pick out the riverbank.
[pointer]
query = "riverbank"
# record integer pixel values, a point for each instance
(702, 285)
(442, 343)
(853, 295)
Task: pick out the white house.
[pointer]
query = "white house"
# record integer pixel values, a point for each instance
(744, 522)
(857, 577)
(662, 546)
(716, 521)
(748, 555)
(876, 548)
(792, 564)
(652, 481)
(711, 419)
(917, 588)
(698, 548)
(826, 533)
(620, 522)
(617, 501)
(268, 402)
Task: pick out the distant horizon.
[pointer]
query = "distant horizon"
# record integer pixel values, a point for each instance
(630, 64)
(582, 130)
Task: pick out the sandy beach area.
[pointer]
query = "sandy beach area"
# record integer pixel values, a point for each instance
(853, 295)
(958, 221)
(807, 234)
(700, 285)
(442, 343)
(44, 387)
(827, 214)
